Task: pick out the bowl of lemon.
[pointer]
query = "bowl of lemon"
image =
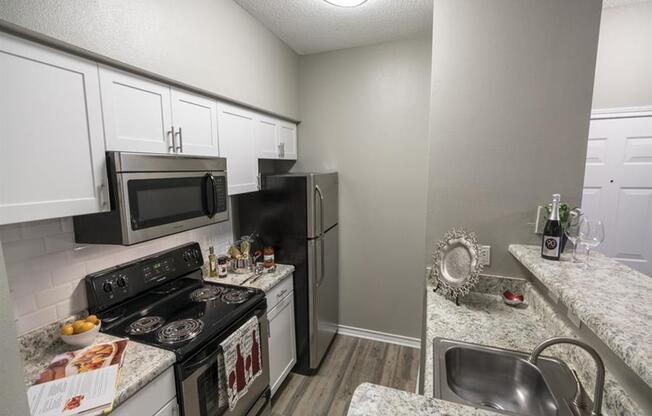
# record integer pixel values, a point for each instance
(81, 333)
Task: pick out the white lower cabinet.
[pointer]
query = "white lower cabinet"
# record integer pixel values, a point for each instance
(282, 346)
(157, 398)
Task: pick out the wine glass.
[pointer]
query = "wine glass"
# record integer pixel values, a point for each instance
(572, 232)
(591, 234)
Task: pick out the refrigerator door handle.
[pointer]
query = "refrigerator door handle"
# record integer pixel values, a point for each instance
(321, 234)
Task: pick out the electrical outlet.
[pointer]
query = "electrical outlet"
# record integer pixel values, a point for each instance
(485, 255)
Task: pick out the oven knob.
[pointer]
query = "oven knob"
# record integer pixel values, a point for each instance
(108, 287)
(122, 281)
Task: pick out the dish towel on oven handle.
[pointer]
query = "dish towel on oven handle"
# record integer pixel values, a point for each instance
(242, 361)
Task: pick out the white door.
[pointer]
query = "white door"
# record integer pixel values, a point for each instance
(618, 187)
(237, 144)
(282, 347)
(267, 143)
(288, 140)
(52, 160)
(195, 121)
(137, 113)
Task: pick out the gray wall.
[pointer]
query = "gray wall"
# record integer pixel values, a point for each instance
(209, 44)
(511, 97)
(13, 398)
(623, 76)
(365, 114)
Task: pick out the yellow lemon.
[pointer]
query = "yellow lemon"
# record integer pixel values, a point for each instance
(67, 330)
(77, 327)
(87, 326)
(93, 319)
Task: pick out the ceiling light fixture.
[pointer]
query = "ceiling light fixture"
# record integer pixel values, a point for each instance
(346, 3)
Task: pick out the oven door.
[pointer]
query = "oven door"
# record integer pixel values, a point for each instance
(155, 204)
(200, 383)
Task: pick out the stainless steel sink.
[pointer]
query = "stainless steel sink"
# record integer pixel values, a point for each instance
(501, 380)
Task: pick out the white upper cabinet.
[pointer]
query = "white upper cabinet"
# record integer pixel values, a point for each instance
(237, 144)
(52, 160)
(287, 137)
(195, 123)
(137, 113)
(275, 139)
(267, 138)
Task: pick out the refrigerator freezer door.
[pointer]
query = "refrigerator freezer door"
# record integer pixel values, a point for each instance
(324, 294)
(321, 194)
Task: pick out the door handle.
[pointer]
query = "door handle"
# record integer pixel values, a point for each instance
(180, 146)
(321, 234)
(102, 195)
(171, 139)
(213, 196)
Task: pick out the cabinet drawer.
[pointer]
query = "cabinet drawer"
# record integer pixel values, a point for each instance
(279, 291)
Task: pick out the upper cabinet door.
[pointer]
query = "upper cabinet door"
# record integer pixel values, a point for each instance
(195, 123)
(237, 144)
(52, 160)
(287, 135)
(267, 143)
(137, 113)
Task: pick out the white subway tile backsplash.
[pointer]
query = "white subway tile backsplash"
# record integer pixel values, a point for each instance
(59, 242)
(53, 295)
(24, 305)
(46, 268)
(21, 250)
(36, 319)
(36, 229)
(68, 274)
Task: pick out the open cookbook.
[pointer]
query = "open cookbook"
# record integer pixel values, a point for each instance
(81, 382)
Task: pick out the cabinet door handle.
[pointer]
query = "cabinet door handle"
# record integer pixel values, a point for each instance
(283, 292)
(102, 195)
(282, 149)
(180, 146)
(170, 139)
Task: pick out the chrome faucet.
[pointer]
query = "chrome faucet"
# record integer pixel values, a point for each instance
(579, 404)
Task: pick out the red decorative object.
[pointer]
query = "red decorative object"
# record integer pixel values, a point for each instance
(240, 370)
(254, 354)
(512, 299)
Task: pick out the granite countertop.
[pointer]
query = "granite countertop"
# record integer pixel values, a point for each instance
(611, 299)
(266, 282)
(371, 399)
(141, 365)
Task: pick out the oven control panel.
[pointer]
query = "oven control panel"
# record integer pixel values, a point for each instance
(111, 286)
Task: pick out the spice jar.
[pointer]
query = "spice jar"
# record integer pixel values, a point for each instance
(268, 257)
(222, 263)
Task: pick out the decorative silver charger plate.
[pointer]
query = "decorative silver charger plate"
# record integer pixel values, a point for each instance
(456, 264)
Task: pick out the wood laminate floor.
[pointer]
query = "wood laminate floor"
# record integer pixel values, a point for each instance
(350, 362)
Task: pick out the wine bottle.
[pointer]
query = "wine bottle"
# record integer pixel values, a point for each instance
(552, 233)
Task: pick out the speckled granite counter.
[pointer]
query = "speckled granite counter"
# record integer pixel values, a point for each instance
(370, 399)
(611, 299)
(483, 318)
(141, 365)
(265, 282)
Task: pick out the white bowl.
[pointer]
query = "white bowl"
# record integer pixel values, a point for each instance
(84, 339)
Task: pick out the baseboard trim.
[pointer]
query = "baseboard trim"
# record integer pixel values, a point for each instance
(379, 336)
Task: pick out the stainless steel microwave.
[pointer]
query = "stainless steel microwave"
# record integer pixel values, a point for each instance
(156, 195)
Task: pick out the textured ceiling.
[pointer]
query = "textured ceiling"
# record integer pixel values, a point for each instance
(616, 3)
(310, 26)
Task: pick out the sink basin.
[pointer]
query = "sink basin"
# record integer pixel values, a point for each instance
(501, 380)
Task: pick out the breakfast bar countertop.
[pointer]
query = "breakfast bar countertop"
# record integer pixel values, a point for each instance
(611, 299)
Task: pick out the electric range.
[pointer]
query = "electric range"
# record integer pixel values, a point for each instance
(163, 301)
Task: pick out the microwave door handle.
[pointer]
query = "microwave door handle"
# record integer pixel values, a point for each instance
(212, 207)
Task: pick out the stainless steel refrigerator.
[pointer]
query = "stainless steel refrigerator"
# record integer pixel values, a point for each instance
(297, 214)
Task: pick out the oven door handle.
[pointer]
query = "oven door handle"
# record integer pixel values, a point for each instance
(211, 198)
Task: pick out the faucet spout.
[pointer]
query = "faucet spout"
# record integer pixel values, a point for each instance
(599, 378)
